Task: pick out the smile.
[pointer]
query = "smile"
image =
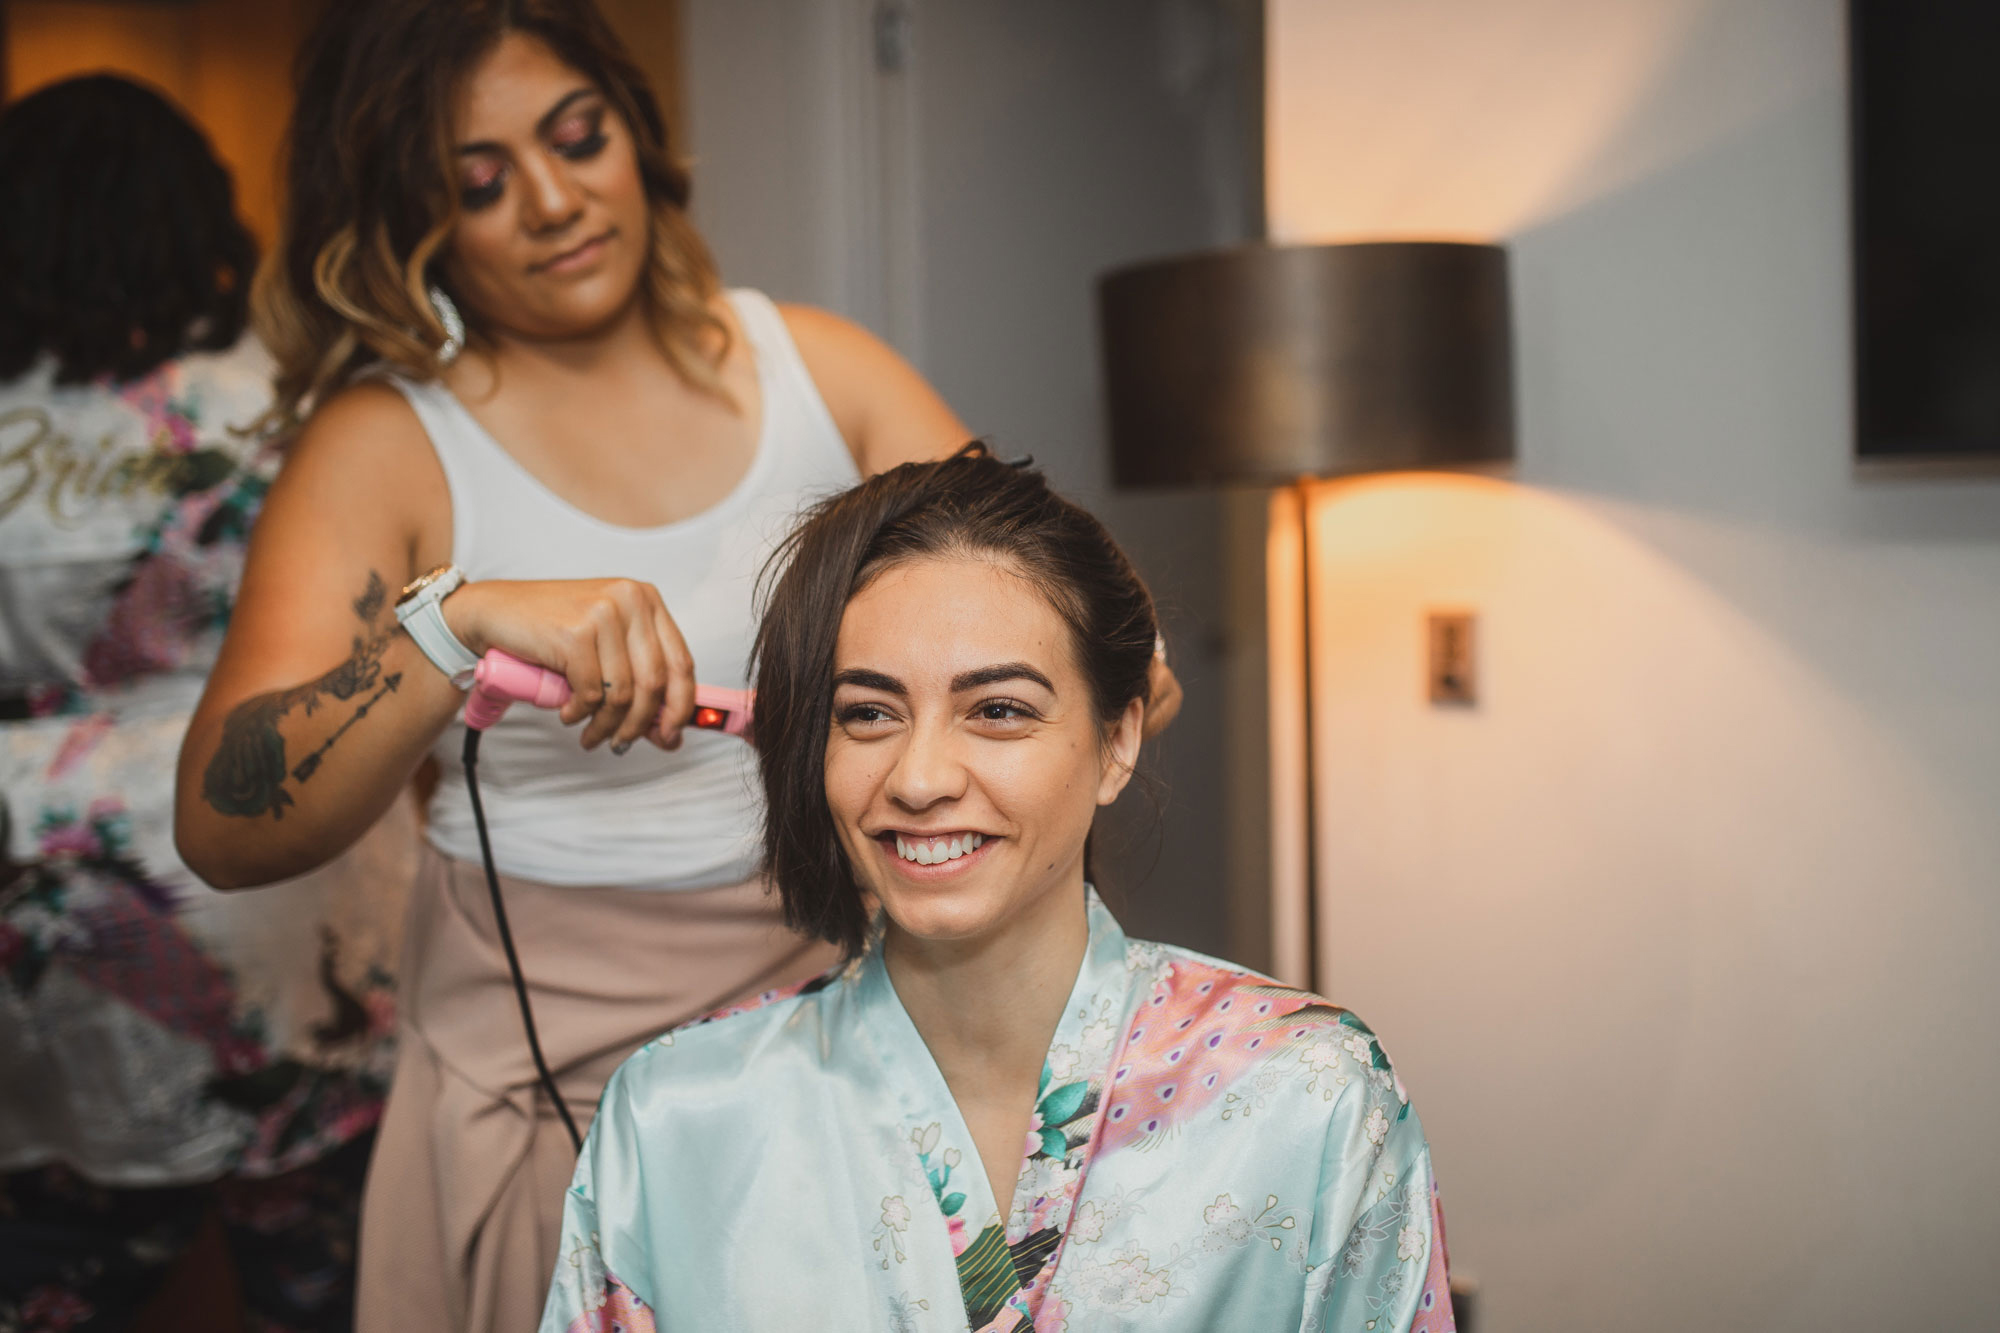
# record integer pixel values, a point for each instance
(935, 851)
(928, 858)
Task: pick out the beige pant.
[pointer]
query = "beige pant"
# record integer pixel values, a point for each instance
(461, 1218)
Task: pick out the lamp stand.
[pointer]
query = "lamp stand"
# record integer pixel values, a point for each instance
(1314, 979)
(1294, 875)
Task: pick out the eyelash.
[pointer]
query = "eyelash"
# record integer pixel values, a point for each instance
(475, 197)
(856, 714)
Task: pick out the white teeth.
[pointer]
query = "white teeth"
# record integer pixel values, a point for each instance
(936, 851)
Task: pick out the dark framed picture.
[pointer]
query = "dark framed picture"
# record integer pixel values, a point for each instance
(1925, 106)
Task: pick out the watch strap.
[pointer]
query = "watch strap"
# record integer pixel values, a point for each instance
(423, 616)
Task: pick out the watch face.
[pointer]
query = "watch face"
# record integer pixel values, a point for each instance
(418, 584)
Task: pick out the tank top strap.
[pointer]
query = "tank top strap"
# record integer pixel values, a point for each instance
(799, 441)
(462, 451)
(800, 425)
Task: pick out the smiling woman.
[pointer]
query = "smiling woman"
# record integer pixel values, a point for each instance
(1000, 1113)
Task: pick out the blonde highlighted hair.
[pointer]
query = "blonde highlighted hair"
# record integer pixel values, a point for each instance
(371, 195)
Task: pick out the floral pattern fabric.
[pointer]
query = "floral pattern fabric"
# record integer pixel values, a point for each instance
(154, 1031)
(1208, 1150)
(77, 1257)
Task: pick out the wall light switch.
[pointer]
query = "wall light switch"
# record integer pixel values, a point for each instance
(1453, 666)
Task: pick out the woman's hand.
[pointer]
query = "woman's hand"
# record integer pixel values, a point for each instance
(629, 670)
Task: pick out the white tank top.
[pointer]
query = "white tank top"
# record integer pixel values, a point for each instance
(648, 819)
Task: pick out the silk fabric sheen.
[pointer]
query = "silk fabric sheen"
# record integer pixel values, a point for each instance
(459, 1225)
(1209, 1150)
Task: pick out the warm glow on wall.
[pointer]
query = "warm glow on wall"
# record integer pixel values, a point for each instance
(1409, 521)
(1596, 637)
(1638, 840)
(49, 40)
(1290, 760)
(1406, 516)
(1455, 119)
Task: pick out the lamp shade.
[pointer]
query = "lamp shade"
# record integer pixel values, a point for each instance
(1266, 363)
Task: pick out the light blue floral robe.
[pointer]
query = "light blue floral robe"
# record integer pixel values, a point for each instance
(1209, 1151)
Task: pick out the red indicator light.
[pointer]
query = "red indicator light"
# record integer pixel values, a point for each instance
(712, 718)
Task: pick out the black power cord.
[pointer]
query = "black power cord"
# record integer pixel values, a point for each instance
(507, 941)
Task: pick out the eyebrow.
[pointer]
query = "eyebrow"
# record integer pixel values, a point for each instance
(869, 680)
(542, 126)
(964, 680)
(993, 675)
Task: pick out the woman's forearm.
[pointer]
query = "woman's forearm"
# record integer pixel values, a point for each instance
(276, 782)
(287, 779)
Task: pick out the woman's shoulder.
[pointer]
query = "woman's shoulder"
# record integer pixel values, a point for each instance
(835, 348)
(737, 1038)
(847, 362)
(1186, 977)
(367, 409)
(369, 430)
(1216, 1047)
(364, 452)
(883, 408)
(814, 324)
(1209, 1010)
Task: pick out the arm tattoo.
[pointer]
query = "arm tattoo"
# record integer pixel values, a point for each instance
(247, 775)
(369, 604)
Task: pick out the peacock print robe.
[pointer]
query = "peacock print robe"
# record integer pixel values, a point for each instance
(1209, 1150)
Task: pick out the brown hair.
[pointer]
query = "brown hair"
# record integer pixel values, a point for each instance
(370, 195)
(971, 504)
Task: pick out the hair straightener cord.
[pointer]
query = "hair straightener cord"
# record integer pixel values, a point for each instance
(507, 942)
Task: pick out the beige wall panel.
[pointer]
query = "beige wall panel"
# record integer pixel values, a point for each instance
(651, 31)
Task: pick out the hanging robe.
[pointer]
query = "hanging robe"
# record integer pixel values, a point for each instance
(1209, 1150)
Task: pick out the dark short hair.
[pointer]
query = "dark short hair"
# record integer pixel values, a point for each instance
(120, 248)
(968, 504)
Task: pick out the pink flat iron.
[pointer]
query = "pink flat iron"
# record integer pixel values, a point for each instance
(502, 680)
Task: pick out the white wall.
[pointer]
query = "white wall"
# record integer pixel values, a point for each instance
(1685, 939)
(964, 207)
(763, 82)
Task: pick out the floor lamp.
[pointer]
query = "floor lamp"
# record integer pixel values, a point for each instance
(1273, 365)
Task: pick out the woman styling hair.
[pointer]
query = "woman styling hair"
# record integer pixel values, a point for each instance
(1003, 1113)
(529, 404)
(164, 1049)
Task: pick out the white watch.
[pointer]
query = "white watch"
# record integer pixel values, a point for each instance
(417, 611)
